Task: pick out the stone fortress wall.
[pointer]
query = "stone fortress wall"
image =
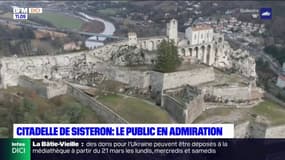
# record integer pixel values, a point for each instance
(175, 108)
(134, 78)
(275, 132)
(180, 78)
(242, 130)
(232, 93)
(54, 67)
(36, 67)
(188, 111)
(45, 88)
(184, 110)
(156, 80)
(249, 129)
(29, 83)
(195, 108)
(103, 111)
(49, 89)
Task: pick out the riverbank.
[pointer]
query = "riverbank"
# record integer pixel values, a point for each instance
(94, 41)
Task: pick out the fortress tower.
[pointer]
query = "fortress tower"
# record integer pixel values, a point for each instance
(133, 40)
(172, 30)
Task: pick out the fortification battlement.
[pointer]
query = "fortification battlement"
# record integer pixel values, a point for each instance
(186, 92)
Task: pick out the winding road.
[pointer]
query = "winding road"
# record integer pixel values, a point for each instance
(108, 30)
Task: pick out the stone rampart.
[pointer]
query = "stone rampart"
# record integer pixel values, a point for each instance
(235, 96)
(44, 88)
(56, 89)
(156, 80)
(242, 130)
(103, 111)
(230, 92)
(36, 67)
(187, 107)
(134, 78)
(40, 67)
(183, 112)
(194, 108)
(176, 109)
(275, 132)
(191, 77)
(35, 85)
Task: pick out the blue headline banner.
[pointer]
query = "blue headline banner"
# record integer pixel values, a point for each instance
(123, 131)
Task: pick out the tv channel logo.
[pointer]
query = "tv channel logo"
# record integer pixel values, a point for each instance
(20, 16)
(20, 13)
(35, 10)
(265, 13)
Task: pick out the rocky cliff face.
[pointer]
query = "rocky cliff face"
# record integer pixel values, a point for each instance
(133, 56)
(237, 61)
(243, 63)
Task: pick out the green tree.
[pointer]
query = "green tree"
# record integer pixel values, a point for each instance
(73, 112)
(261, 64)
(29, 105)
(276, 52)
(168, 59)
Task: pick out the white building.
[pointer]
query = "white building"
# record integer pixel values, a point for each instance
(199, 35)
(132, 38)
(202, 44)
(199, 43)
(172, 30)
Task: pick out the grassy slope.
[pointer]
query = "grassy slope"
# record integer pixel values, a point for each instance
(108, 11)
(213, 112)
(272, 111)
(135, 110)
(61, 20)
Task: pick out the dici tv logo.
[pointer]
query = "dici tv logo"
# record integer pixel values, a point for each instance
(22, 13)
(19, 149)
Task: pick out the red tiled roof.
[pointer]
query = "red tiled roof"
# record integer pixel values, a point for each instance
(201, 27)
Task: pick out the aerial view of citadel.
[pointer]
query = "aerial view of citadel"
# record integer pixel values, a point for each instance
(144, 62)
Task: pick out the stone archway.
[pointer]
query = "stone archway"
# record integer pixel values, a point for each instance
(208, 54)
(220, 40)
(196, 52)
(203, 54)
(183, 52)
(190, 51)
(53, 61)
(216, 52)
(158, 41)
(152, 46)
(144, 45)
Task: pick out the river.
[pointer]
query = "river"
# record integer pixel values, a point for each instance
(108, 30)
